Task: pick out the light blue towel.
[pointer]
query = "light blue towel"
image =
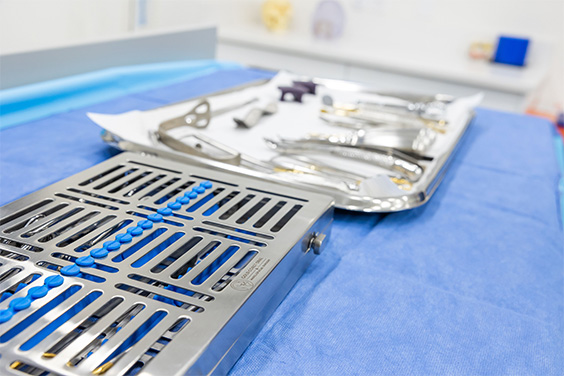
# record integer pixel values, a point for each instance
(35, 101)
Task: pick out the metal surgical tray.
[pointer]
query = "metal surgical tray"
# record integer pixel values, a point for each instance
(379, 198)
(185, 296)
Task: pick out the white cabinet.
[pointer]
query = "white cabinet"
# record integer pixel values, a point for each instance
(506, 88)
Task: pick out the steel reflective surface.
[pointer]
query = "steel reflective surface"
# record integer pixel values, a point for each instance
(185, 296)
(379, 194)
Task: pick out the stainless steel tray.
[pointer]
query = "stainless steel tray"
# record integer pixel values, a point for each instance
(183, 297)
(381, 198)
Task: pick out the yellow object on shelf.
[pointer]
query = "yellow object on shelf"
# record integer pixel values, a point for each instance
(276, 14)
(481, 50)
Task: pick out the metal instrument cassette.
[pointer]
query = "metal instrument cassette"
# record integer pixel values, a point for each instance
(146, 266)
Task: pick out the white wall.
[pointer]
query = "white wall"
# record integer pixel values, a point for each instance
(32, 24)
(35, 24)
(28, 24)
(484, 18)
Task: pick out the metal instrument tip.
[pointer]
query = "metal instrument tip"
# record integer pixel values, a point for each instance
(103, 368)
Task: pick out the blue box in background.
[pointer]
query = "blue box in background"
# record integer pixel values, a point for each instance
(511, 51)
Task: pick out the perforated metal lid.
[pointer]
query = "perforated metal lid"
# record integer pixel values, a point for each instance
(165, 267)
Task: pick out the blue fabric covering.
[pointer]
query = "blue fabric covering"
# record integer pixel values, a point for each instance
(471, 283)
(560, 153)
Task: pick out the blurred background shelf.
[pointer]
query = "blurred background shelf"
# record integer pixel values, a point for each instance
(416, 64)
